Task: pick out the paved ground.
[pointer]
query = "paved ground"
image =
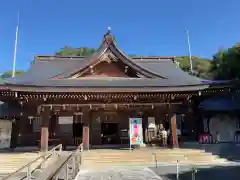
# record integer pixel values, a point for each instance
(162, 173)
(203, 173)
(119, 174)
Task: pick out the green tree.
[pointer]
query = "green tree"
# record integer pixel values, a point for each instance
(201, 66)
(132, 55)
(8, 74)
(82, 51)
(226, 63)
(114, 39)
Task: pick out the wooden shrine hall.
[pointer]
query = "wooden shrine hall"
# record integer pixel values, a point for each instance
(74, 99)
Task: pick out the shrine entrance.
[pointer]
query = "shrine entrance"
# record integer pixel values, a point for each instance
(77, 132)
(77, 129)
(109, 133)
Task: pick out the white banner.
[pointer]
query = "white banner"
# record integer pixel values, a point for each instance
(5, 133)
(65, 119)
(151, 122)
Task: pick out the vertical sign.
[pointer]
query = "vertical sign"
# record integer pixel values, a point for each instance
(135, 131)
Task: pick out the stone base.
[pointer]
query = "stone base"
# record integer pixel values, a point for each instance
(143, 145)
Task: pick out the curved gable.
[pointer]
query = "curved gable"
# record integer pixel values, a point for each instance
(110, 53)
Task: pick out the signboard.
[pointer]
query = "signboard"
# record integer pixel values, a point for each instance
(5, 133)
(135, 131)
(65, 120)
(151, 122)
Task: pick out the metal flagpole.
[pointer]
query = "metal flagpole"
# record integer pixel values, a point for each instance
(189, 52)
(15, 49)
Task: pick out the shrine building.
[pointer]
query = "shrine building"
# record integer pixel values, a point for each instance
(74, 99)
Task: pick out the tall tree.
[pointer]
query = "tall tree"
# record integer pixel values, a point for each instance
(226, 63)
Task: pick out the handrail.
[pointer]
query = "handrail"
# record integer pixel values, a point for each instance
(53, 150)
(76, 157)
(48, 174)
(63, 162)
(45, 158)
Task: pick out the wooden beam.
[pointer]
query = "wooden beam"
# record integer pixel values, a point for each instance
(110, 104)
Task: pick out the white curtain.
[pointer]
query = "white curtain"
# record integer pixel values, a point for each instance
(224, 126)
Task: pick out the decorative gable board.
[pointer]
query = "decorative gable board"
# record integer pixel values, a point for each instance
(107, 65)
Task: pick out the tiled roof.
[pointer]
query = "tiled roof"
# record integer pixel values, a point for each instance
(163, 72)
(40, 73)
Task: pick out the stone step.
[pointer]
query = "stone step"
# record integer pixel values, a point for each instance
(144, 163)
(163, 159)
(152, 160)
(10, 162)
(147, 156)
(132, 158)
(143, 154)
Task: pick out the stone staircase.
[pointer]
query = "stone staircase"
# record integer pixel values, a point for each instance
(12, 161)
(230, 151)
(147, 156)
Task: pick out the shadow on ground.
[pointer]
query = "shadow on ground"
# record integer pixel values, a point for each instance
(212, 173)
(229, 151)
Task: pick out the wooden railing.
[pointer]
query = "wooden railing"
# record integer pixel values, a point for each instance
(56, 151)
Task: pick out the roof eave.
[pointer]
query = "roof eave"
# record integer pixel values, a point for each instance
(31, 88)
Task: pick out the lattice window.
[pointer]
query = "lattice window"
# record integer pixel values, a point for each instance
(36, 124)
(65, 125)
(179, 119)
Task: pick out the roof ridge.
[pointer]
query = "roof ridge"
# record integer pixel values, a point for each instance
(56, 57)
(154, 57)
(76, 56)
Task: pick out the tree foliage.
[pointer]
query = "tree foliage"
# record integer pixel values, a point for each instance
(201, 66)
(226, 63)
(8, 74)
(82, 51)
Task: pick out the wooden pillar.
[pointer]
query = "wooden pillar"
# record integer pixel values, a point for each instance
(86, 132)
(173, 121)
(145, 127)
(21, 126)
(57, 128)
(14, 133)
(45, 116)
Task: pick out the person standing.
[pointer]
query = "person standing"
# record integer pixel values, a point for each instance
(179, 133)
(164, 137)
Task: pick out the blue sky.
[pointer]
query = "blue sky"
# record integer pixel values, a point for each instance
(153, 27)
